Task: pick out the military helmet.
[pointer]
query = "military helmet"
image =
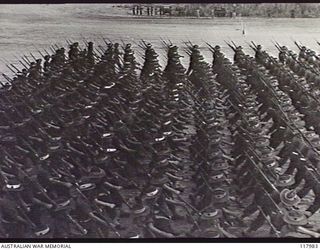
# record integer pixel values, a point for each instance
(295, 217)
(289, 197)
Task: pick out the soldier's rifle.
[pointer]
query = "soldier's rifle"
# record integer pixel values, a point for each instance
(178, 195)
(123, 46)
(202, 149)
(39, 127)
(7, 78)
(293, 77)
(185, 205)
(252, 47)
(32, 180)
(188, 44)
(53, 51)
(299, 47)
(34, 58)
(295, 129)
(187, 52)
(197, 102)
(239, 112)
(107, 43)
(55, 46)
(211, 48)
(285, 117)
(84, 40)
(98, 37)
(278, 102)
(233, 48)
(141, 47)
(104, 219)
(14, 72)
(315, 172)
(307, 66)
(81, 228)
(69, 42)
(101, 50)
(13, 66)
(26, 59)
(164, 43)
(14, 93)
(92, 215)
(25, 218)
(101, 47)
(24, 214)
(260, 172)
(98, 210)
(23, 64)
(267, 218)
(87, 45)
(7, 63)
(277, 45)
(255, 46)
(49, 53)
(252, 150)
(41, 53)
(3, 85)
(291, 74)
(302, 89)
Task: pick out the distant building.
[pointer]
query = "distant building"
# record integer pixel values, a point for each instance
(220, 12)
(230, 10)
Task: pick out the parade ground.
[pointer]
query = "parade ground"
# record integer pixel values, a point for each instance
(27, 28)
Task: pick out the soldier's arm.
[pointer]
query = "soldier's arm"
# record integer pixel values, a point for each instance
(313, 183)
(300, 175)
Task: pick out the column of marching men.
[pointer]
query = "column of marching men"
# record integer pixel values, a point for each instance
(296, 144)
(90, 148)
(303, 80)
(306, 143)
(99, 133)
(212, 148)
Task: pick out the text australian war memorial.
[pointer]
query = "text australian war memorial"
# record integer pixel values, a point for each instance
(180, 128)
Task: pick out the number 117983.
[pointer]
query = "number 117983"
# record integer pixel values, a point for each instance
(309, 245)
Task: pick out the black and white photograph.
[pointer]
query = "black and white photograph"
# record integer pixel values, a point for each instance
(160, 121)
